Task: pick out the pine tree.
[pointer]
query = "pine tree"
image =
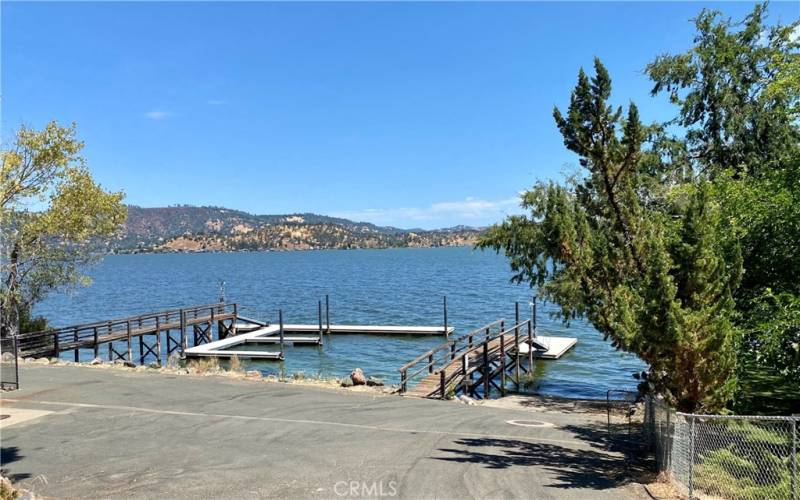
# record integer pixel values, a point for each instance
(633, 250)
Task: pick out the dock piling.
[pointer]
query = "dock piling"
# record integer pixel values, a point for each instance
(184, 342)
(327, 315)
(319, 316)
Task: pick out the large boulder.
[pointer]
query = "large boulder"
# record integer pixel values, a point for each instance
(357, 376)
(374, 382)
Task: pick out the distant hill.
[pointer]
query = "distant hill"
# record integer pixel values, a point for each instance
(187, 228)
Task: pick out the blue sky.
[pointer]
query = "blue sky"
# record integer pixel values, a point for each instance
(413, 115)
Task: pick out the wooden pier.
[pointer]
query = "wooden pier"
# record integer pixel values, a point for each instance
(174, 325)
(482, 360)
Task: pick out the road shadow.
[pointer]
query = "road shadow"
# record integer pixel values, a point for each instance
(607, 463)
(10, 454)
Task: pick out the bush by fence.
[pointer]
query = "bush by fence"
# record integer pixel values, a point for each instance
(733, 457)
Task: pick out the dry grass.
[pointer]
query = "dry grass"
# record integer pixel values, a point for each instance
(205, 365)
(235, 364)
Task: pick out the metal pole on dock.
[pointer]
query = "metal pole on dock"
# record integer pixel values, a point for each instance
(444, 304)
(280, 329)
(319, 315)
(534, 316)
(327, 314)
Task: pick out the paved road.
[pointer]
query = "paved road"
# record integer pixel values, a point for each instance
(106, 433)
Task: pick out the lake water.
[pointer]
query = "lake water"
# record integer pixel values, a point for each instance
(379, 287)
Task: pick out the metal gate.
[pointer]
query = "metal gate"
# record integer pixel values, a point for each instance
(9, 358)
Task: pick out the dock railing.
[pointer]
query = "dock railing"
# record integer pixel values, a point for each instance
(443, 354)
(51, 343)
(454, 362)
(490, 360)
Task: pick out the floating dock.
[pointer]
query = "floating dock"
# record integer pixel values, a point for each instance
(370, 329)
(221, 348)
(296, 334)
(548, 347)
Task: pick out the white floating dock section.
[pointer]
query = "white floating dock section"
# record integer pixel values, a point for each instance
(370, 329)
(220, 348)
(296, 335)
(556, 346)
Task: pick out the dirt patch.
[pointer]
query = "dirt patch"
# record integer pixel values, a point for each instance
(549, 404)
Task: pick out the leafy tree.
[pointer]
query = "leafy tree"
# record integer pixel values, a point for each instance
(738, 92)
(684, 250)
(632, 250)
(52, 213)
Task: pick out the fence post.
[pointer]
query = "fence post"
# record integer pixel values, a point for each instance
(141, 349)
(130, 347)
(403, 381)
(502, 364)
(96, 344)
(794, 459)
(430, 363)
(56, 347)
(691, 460)
(77, 349)
(16, 360)
(452, 351)
(487, 370)
(158, 340)
(464, 367)
(442, 383)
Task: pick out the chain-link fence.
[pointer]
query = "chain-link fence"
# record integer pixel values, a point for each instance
(9, 370)
(731, 457)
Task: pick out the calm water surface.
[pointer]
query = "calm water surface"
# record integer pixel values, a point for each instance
(385, 287)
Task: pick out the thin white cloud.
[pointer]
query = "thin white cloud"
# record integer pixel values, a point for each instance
(470, 211)
(215, 102)
(158, 114)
